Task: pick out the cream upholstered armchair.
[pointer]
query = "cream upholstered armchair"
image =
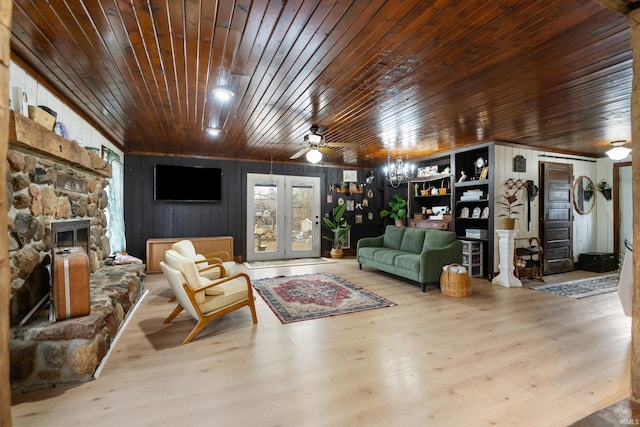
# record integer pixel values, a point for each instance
(205, 299)
(204, 261)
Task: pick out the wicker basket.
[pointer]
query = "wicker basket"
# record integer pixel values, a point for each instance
(41, 117)
(454, 284)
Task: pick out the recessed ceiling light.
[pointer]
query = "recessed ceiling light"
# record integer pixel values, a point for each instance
(223, 94)
(214, 131)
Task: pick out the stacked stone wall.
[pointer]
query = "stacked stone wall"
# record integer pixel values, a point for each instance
(40, 191)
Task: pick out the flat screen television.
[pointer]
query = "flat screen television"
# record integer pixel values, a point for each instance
(187, 183)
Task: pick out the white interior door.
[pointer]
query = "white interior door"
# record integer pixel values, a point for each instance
(283, 217)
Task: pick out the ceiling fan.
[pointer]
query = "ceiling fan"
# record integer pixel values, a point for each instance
(316, 145)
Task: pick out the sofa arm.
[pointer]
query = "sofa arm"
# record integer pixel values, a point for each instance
(375, 242)
(432, 260)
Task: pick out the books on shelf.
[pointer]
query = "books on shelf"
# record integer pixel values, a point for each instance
(472, 195)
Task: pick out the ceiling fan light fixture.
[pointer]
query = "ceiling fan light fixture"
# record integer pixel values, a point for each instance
(618, 153)
(213, 131)
(223, 94)
(314, 155)
(313, 138)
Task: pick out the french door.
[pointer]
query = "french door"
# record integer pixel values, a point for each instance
(283, 217)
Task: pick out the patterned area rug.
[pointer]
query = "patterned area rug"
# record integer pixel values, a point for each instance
(286, 262)
(312, 296)
(584, 287)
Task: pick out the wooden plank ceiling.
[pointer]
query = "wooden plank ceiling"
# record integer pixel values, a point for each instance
(388, 77)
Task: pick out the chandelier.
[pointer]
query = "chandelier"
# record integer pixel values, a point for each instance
(397, 172)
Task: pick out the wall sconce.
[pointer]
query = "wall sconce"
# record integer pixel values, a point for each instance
(618, 152)
(397, 172)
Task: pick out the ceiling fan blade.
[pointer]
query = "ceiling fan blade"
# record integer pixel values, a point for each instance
(328, 151)
(342, 144)
(300, 153)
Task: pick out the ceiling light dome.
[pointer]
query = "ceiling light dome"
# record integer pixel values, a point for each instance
(223, 94)
(314, 155)
(618, 152)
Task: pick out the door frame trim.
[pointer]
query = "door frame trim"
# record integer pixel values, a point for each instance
(616, 207)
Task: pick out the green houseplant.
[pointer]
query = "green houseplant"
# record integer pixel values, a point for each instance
(339, 228)
(397, 211)
(509, 214)
(605, 189)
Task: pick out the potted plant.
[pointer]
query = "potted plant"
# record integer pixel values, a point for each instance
(605, 189)
(509, 213)
(397, 211)
(588, 191)
(339, 228)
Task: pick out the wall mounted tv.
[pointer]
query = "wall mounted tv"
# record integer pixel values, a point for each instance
(187, 183)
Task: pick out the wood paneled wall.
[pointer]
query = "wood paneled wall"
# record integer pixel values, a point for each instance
(146, 219)
(634, 21)
(5, 281)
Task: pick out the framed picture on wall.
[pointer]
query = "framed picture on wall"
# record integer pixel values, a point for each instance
(358, 219)
(346, 243)
(351, 205)
(329, 198)
(350, 176)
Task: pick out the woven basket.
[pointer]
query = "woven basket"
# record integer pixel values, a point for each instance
(41, 117)
(453, 284)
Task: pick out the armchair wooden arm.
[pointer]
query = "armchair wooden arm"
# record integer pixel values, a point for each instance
(209, 267)
(221, 255)
(224, 280)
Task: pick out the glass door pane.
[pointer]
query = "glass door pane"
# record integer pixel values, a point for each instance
(265, 217)
(302, 218)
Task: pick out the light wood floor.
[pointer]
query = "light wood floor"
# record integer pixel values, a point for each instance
(503, 357)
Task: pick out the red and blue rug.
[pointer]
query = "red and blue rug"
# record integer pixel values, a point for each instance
(312, 296)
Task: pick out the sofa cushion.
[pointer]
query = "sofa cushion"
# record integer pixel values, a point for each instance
(393, 237)
(408, 262)
(369, 251)
(436, 239)
(412, 240)
(387, 256)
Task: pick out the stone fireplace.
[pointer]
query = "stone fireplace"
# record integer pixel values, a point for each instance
(66, 234)
(53, 204)
(56, 196)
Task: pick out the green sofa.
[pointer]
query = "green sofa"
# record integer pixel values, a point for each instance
(413, 253)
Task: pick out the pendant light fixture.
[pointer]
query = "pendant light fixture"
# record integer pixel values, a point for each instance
(618, 152)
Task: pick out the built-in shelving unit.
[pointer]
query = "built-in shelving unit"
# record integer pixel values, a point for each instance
(473, 199)
(469, 202)
(430, 195)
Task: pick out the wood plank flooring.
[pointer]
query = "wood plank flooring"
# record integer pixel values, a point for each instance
(503, 357)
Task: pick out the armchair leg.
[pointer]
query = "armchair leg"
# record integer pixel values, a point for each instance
(360, 264)
(201, 324)
(424, 286)
(173, 315)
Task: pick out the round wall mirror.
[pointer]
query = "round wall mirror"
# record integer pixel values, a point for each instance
(584, 195)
